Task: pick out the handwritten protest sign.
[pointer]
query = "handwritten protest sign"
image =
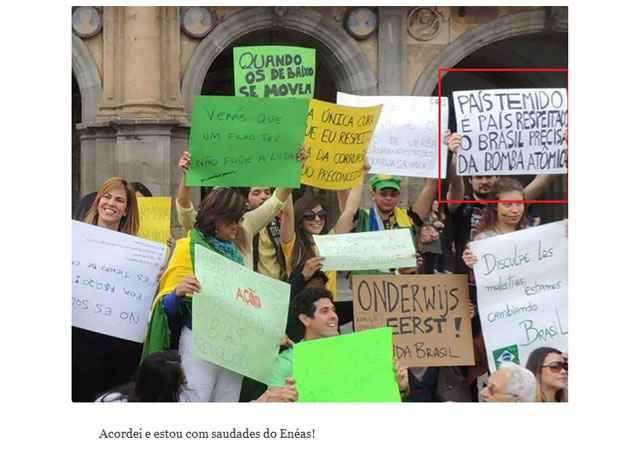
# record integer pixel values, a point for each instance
(429, 315)
(274, 71)
(355, 367)
(239, 317)
(366, 250)
(511, 131)
(522, 281)
(154, 218)
(337, 138)
(114, 280)
(405, 139)
(236, 141)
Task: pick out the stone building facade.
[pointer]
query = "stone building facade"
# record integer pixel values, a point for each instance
(137, 69)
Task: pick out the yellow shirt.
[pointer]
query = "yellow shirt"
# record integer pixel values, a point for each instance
(287, 249)
(267, 258)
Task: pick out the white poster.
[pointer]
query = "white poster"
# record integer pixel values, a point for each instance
(372, 250)
(405, 139)
(511, 131)
(522, 283)
(114, 280)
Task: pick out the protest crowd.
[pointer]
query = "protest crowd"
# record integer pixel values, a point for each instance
(416, 274)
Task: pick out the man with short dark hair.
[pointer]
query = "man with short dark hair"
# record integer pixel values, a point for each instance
(317, 312)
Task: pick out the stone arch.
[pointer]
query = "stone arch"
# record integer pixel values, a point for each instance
(352, 72)
(513, 25)
(87, 76)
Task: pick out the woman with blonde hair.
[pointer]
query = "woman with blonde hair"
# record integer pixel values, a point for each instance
(101, 361)
(115, 207)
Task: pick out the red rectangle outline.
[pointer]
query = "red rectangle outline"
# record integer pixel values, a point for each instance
(439, 136)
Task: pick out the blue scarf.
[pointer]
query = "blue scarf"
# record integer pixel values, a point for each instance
(226, 248)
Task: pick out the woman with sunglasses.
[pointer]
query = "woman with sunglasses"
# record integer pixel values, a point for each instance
(550, 366)
(309, 219)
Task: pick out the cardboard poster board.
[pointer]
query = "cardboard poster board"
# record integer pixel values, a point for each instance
(512, 131)
(522, 282)
(155, 218)
(274, 71)
(244, 142)
(371, 250)
(429, 315)
(405, 139)
(113, 281)
(337, 138)
(239, 317)
(355, 367)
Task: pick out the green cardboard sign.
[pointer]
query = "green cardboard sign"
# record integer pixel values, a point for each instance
(274, 71)
(239, 317)
(244, 142)
(355, 367)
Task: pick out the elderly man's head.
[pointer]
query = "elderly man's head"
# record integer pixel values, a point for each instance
(510, 383)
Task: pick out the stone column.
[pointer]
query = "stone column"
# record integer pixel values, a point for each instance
(392, 67)
(141, 127)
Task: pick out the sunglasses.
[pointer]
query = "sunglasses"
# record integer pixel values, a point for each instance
(389, 193)
(311, 215)
(556, 367)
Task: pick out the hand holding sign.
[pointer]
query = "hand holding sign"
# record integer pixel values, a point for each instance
(188, 286)
(469, 258)
(185, 162)
(287, 393)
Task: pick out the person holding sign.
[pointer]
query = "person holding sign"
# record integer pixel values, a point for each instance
(467, 216)
(101, 361)
(503, 217)
(223, 226)
(550, 366)
(385, 197)
(267, 248)
(317, 312)
(385, 213)
(310, 219)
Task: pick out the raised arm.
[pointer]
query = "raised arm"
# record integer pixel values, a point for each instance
(351, 199)
(342, 196)
(345, 221)
(424, 202)
(258, 218)
(186, 214)
(456, 186)
(537, 187)
(287, 223)
(183, 192)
